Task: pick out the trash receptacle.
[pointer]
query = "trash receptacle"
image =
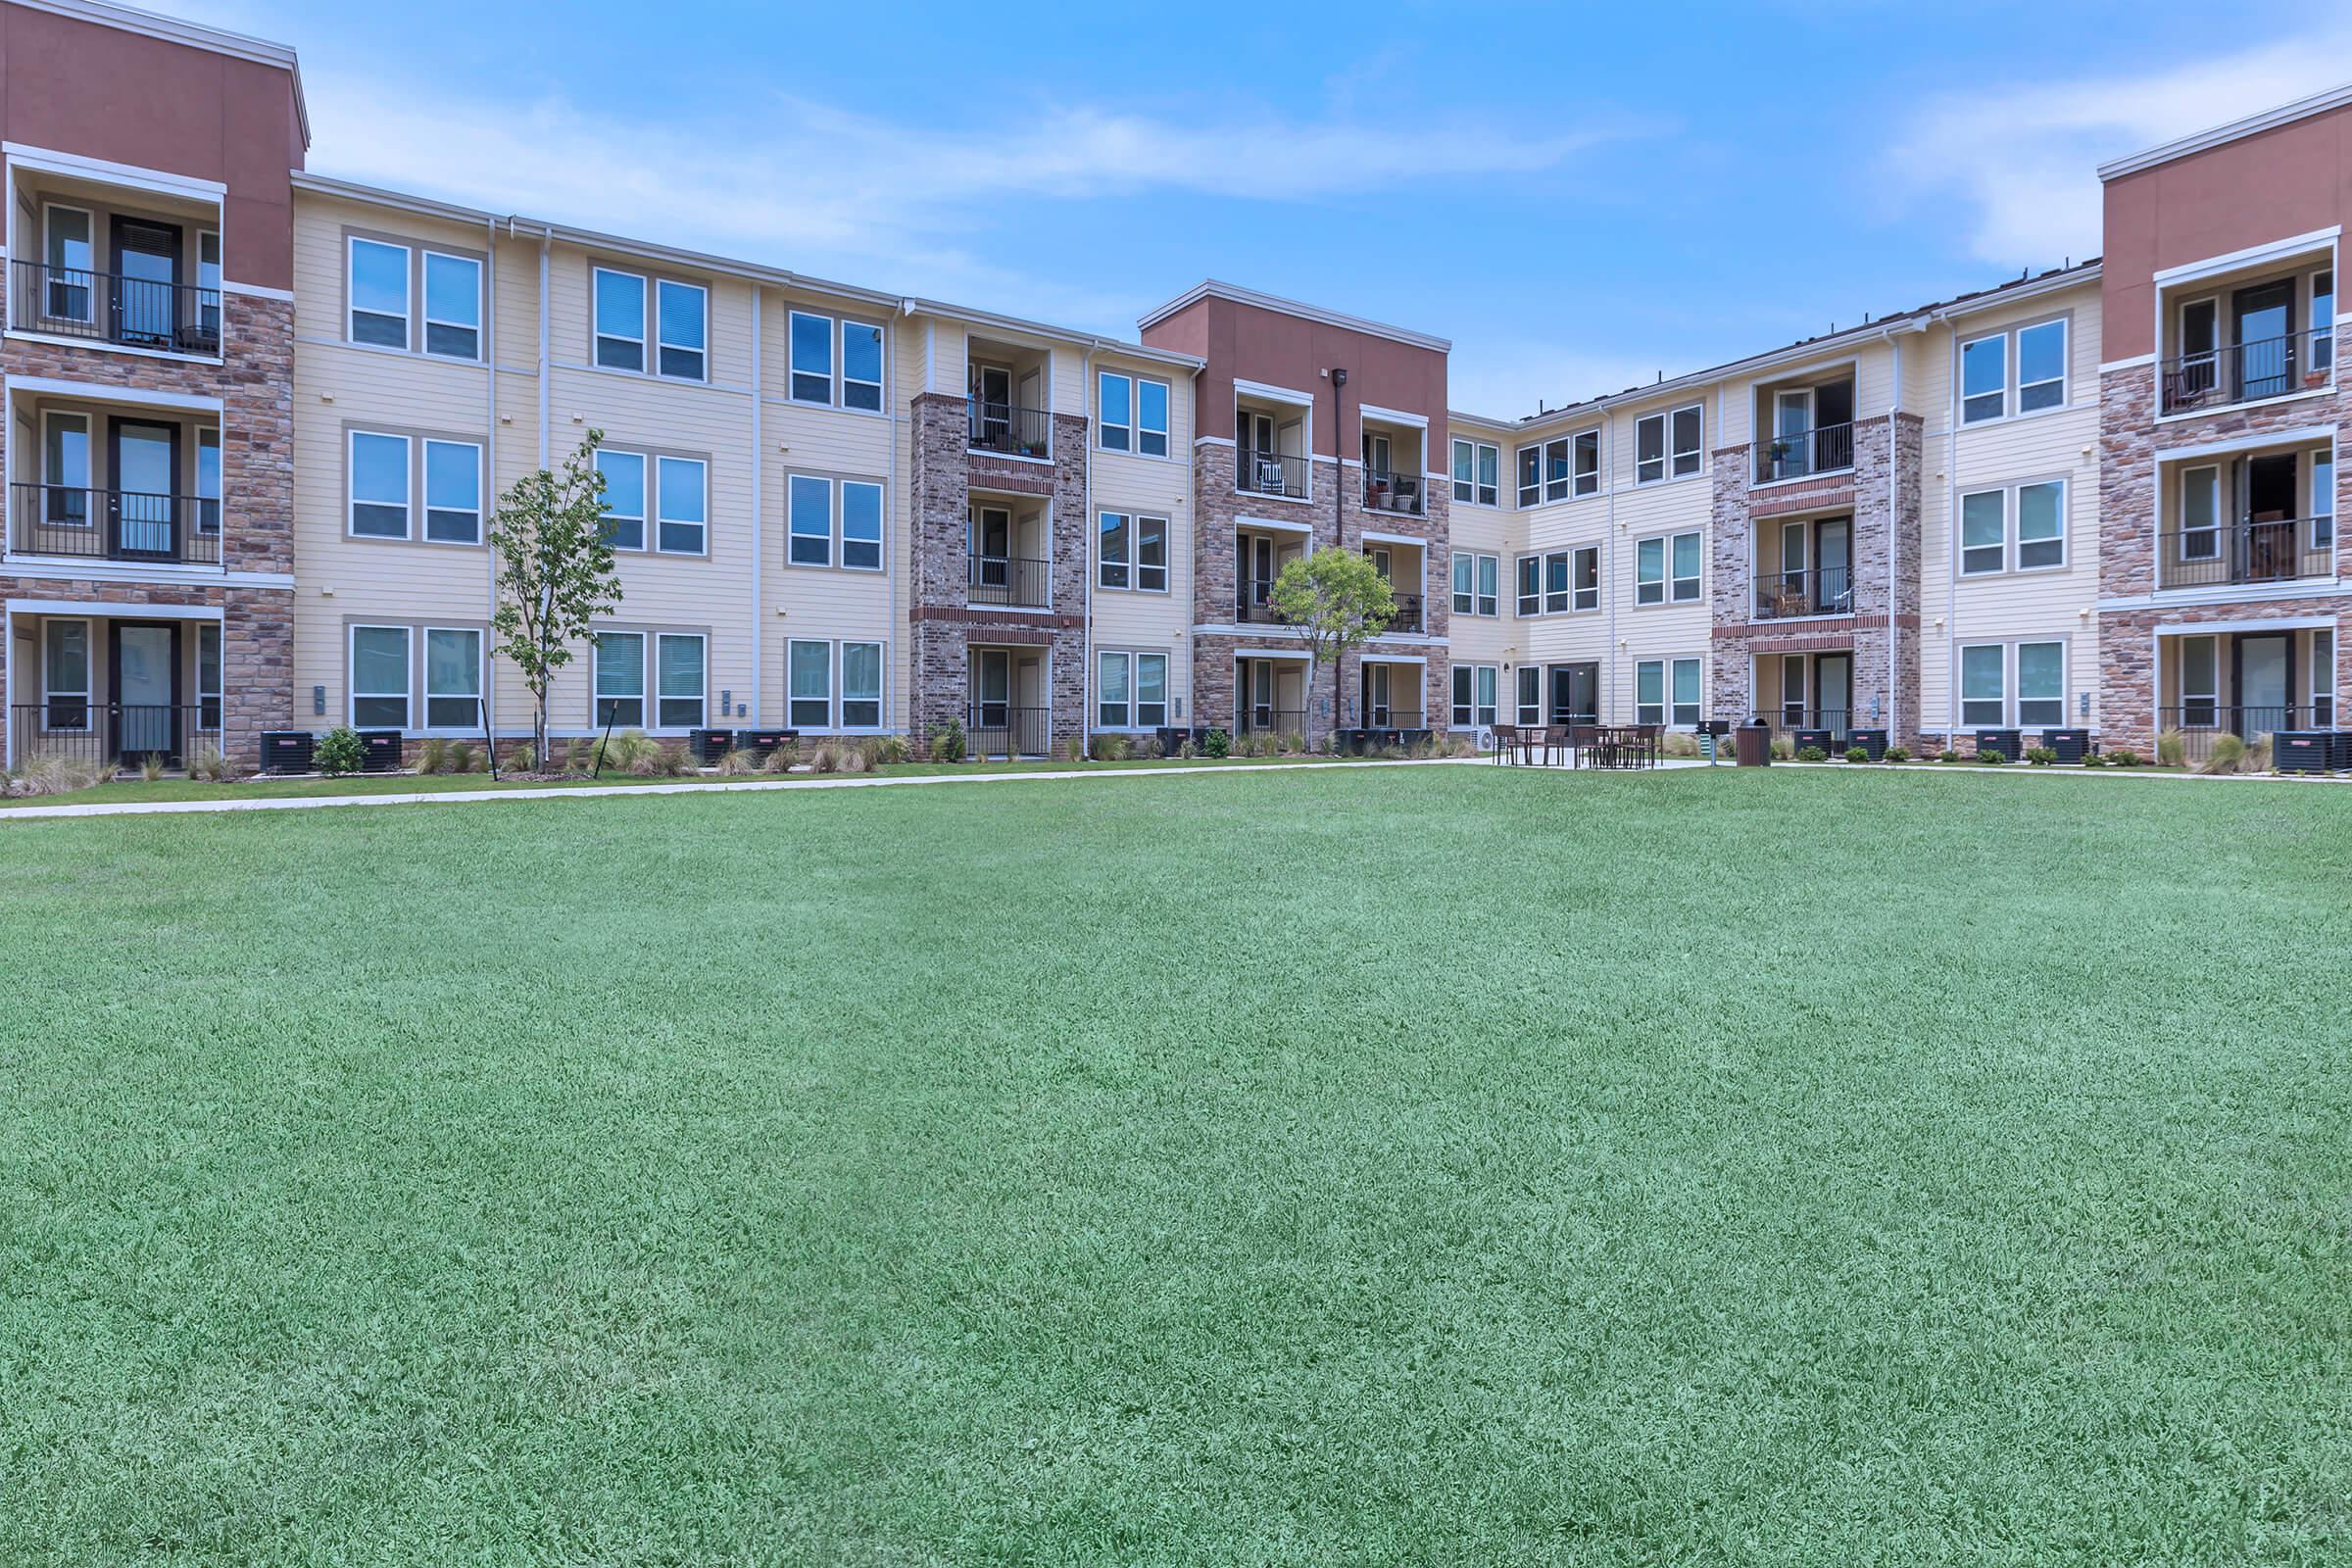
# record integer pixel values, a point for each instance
(1751, 745)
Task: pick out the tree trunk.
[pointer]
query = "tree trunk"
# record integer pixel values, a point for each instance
(539, 751)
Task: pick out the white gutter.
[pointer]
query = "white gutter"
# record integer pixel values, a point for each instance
(1134, 553)
(1608, 560)
(758, 471)
(490, 476)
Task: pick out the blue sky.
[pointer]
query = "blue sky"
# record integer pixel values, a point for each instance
(1581, 199)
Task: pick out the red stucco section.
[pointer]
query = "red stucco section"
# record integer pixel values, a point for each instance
(1252, 343)
(2253, 192)
(96, 91)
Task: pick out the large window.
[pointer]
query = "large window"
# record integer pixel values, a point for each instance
(1983, 696)
(681, 493)
(810, 342)
(1530, 682)
(2323, 499)
(2201, 513)
(1477, 583)
(2040, 525)
(2037, 356)
(379, 677)
(453, 678)
(2040, 367)
(378, 293)
(1686, 691)
(1475, 688)
(384, 478)
(1561, 469)
(821, 514)
(678, 490)
(809, 509)
(1666, 692)
(1132, 549)
(809, 676)
(1133, 414)
(453, 306)
(861, 525)
(834, 685)
(678, 665)
(624, 497)
(1531, 476)
(680, 319)
(861, 685)
(208, 481)
(1667, 570)
(1131, 690)
(1477, 472)
(379, 485)
(66, 675)
(620, 680)
(381, 281)
(1666, 445)
(453, 492)
(1982, 532)
(1587, 464)
(208, 673)
(1984, 378)
(861, 368)
(811, 345)
(2022, 529)
(71, 295)
(2040, 683)
(1531, 585)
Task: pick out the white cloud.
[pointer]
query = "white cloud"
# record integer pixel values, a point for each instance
(2021, 160)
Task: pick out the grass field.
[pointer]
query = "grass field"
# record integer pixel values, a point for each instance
(1422, 1165)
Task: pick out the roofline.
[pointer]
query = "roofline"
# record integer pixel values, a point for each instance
(1211, 288)
(1912, 320)
(2319, 103)
(195, 34)
(730, 267)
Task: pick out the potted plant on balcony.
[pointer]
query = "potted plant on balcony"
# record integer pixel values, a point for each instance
(1380, 492)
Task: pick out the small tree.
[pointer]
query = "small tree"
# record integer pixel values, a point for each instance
(555, 573)
(1339, 600)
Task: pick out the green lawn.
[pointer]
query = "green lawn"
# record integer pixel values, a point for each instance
(1427, 1165)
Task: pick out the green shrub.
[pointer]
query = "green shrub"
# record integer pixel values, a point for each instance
(523, 760)
(1216, 744)
(2171, 749)
(61, 775)
(1991, 758)
(2228, 751)
(2040, 755)
(853, 760)
(2258, 757)
(947, 743)
(1950, 755)
(2093, 759)
(2122, 756)
(1186, 750)
(433, 754)
(1857, 753)
(1679, 744)
(462, 758)
(737, 763)
(1783, 749)
(207, 763)
(890, 750)
(1898, 753)
(1811, 754)
(783, 758)
(1113, 749)
(338, 752)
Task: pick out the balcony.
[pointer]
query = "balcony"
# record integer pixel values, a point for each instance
(1263, 718)
(1002, 729)
(1008, 429)
(1270, 473)
(1253, 603)
(2281, 550)
(52, 519)
(1408, 617)
(2249, 373)
(1796, 595)
(2199, 724)
(1802, 452)
(114, 308)
(1009, 580)
(81, 729)
(1400, 493)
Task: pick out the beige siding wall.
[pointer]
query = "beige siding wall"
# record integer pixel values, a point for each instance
(1137, 486)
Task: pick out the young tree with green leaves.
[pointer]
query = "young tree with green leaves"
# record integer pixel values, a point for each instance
(1337, 600)
(555, 573)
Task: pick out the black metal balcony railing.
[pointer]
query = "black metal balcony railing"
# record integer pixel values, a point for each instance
(2280, 550)
(1409, 613)
(1787, 722)
(1270, 473)
(1392, 492)
(110, 307)
(55, 519)
(999, 729)
(1383, 715)
(2199, 723)
(2249, 373)
(1014, 431)
(1009, 580)
(99, 733)
(1797, 453)
(1262, 718)
(1787, 595)
(1254, 602)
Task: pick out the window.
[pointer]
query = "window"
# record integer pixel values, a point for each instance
(861, 525)
(861, 365)
(1490, 575)
(1688, 437)
(812, 358)
(378, 293)
(624, 498)
(1531, 585)
(2201, 513)
(71, 295)
(1585, 575)
(1649, 692)
(453, 492)
(1112, 706)
(1685, 692)
(1984, 379)
(861, 685)
(2323, 500)
(1556, 582)
(1531, 476)
(678, 673)
(1531, 695)
(1117, 544)
(1981, 694)
(619, 320)
(208, 286)
(2040, 527)
(66, 471)
(1587, 463)
(2040, 367)
(2200, 675)
(379, 486)
(1465, 583)
(2323, 677)
(1557, 478)
(1151, 555)
(1686, 568)
(1982, 532)
(453, 306)
(1475, 689)
(1151, 691)
(2323, 319)
(1652, 559)
(680, 492)
(208, 675)
(1477, 472)
(453, 678)
(2040, 683)
(1465, 699)
(619, 680)
(809, 685)
(1115, 395)
(682, 317)
(1649, 571)
(1650, 449)
(379, 677)
(66, 675)
(208, 481)
(809, 502)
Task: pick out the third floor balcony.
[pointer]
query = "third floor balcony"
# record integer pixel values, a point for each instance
(2249, 339)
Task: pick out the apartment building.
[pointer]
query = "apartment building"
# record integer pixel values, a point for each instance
(258, 418)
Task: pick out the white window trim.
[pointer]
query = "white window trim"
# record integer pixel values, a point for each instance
(482, 659)
(1960, 696)
(2013, 386)
(2016, 683)
(841, 686)
(653, 503)
(89, 219)
(1674, 662)
(1105, 424)
(2013, 541)
(2064, 378)
(841, 526)
(424, 513)
(1697, 454)
(1665, 702)
(595, 330)
(351, 496)
(411, 305)
(1584, 484)
(425, 306)
(2013, 697)
(647, 503)
(1666, 579)
(654, 286)
(352, 695)
(1960, 376)
(843, 380)
(49, 694)
(1477, 446)
(1133, 659)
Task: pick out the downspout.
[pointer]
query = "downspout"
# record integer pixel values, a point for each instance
(1951, 563)
(1338, 509)
(1609, 597)
(1894, 408)
(1086, 640)
(758, 516)
(547, 240)
(490, 470)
